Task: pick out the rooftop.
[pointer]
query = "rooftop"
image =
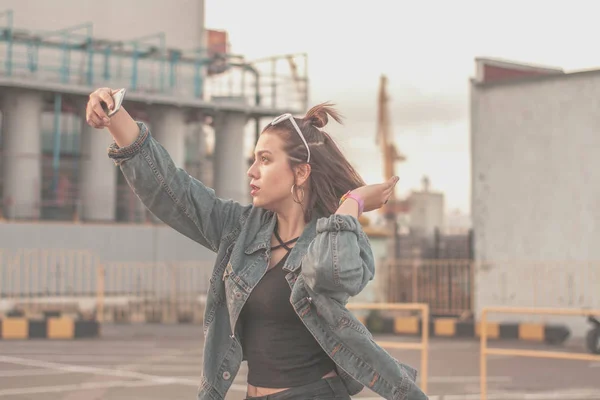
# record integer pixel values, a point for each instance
(491, 72)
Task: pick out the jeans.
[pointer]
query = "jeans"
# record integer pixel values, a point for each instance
(324, 389)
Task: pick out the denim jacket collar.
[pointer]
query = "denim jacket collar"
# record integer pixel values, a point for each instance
(262, 239)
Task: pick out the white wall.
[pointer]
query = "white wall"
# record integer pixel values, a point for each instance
(181, 20)
(535, 193)
(110, 242)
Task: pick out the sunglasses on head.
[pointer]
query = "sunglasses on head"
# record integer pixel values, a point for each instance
(285, 117)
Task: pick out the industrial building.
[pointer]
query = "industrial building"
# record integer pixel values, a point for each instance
(58, 188)
(534, 141)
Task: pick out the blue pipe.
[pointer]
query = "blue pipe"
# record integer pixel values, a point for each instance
(162, 62)
(134, 72)
(173, 68)
(138, 49)
(57, 137)
(90, 67)
(198, 85)
(75, 41)
(66, 46)
(9, 44)
(76, 134)
(64, 71)
(87, 25)
(198, 81)
(32, 56)
(107, 63)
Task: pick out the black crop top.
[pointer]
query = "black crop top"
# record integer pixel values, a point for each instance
(280, 350)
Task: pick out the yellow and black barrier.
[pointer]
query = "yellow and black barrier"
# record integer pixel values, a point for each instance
(61, 327)
(528, 332)
(454, 327)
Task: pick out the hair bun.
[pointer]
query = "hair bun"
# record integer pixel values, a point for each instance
(319, 120)
(318, 116)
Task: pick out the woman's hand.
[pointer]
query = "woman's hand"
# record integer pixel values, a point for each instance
(376, 195)
(122, 127)
(95, 115)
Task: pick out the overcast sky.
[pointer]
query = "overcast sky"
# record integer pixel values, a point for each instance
(427, 50)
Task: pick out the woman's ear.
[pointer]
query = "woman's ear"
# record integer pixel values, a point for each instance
(302, 173)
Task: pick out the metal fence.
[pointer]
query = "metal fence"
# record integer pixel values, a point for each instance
(73, 56)
(39, 280)
(447, 286)
(36, 273)
(34, 282)
(152, 292)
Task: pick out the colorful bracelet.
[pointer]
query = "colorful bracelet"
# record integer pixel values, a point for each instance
(350, 195)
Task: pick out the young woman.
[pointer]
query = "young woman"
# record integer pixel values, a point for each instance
(286, 264)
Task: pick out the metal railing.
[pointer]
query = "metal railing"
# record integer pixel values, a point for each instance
(74, 56)
(34, 281)
(485, 350)
(152, 292)
(423, 345)
(447, 286)
(38, 281)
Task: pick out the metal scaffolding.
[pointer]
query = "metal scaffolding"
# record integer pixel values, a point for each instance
(73, 56)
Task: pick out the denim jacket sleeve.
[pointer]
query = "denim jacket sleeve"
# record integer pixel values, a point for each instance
(172, 195)
(339, 261)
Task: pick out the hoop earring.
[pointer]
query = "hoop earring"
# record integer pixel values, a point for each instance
(293, 191)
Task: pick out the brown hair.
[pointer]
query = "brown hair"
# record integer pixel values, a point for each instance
(331, 173)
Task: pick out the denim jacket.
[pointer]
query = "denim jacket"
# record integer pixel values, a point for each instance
(331, 261)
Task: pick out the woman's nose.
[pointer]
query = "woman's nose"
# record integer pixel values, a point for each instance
(251, 171)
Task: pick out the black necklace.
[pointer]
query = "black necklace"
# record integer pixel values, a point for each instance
(281, 243)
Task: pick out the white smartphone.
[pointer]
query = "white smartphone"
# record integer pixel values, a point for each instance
(118, 98)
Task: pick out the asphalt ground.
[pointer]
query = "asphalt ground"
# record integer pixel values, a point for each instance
(153, 362)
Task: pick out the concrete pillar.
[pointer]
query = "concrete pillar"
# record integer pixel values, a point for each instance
(21, 153)
(98, 176)
(201, 147)
(201, 29)
(198, 149)
(168, 127)
(230, 161)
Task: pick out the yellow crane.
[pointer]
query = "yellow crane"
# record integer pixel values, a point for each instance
(390, 155)
(384, 139)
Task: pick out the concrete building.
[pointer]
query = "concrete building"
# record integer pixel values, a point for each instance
(535, 169)
(426, 213)
(55, 167)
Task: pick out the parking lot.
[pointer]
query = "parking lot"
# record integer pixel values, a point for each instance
(154, 362)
